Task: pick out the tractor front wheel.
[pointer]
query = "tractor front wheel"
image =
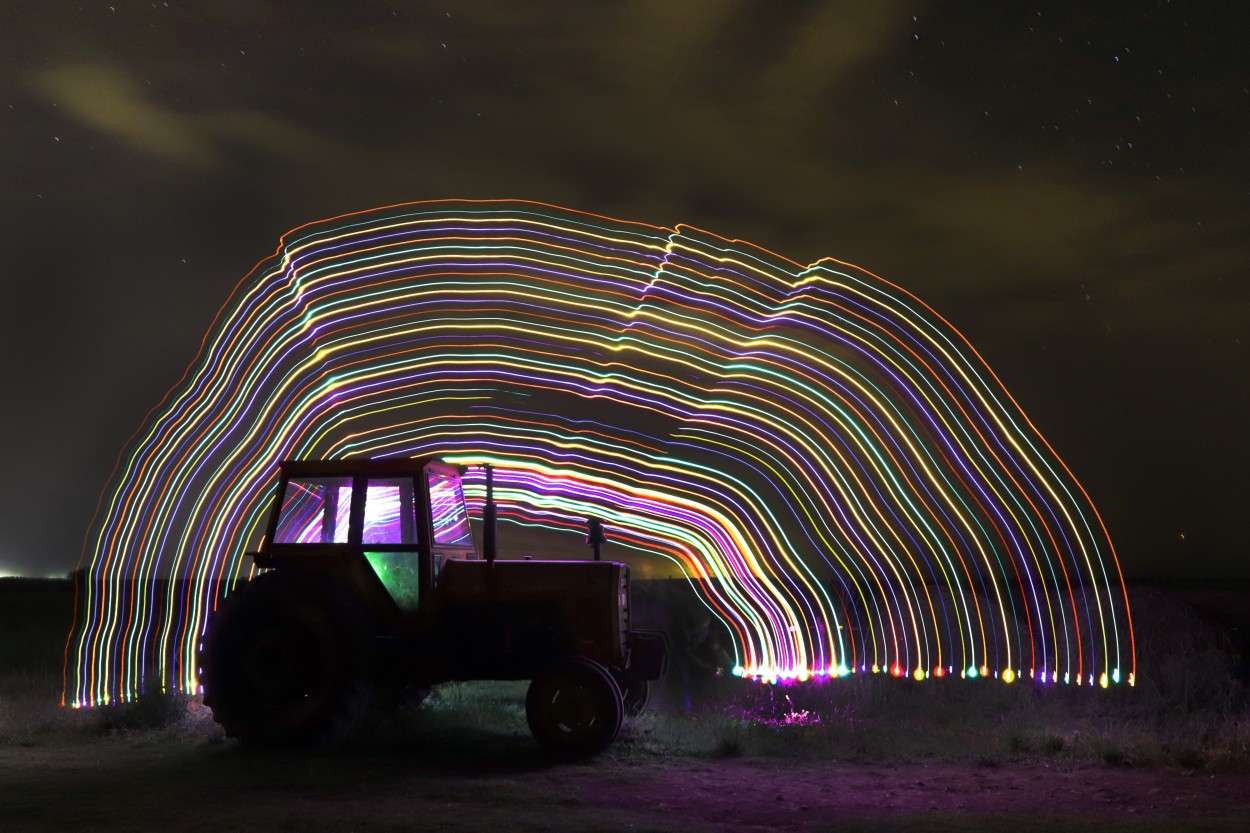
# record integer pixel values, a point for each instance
(574, 708)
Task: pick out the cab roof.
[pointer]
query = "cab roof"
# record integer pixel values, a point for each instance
(377, 466)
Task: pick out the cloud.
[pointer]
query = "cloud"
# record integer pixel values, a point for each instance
(110, 101)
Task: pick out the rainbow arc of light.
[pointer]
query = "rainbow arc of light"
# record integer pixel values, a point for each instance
(834, 468)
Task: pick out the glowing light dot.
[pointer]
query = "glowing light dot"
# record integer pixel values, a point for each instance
(1009, 676)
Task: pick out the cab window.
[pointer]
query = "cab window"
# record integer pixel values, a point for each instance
(448, 516)
(390, 514)
(315, 510)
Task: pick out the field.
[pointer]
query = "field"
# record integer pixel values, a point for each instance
(868, 753)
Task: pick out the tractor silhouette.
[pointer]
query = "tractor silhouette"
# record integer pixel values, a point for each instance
(372, 582)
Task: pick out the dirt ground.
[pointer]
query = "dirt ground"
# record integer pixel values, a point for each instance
(68, 771)
(122, 783)
(754, 796)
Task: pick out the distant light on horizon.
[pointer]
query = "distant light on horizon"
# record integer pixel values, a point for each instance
(7, 571)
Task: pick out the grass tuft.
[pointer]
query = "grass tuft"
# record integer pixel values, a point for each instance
(152, 711)
(1111, 752)
(729, 739)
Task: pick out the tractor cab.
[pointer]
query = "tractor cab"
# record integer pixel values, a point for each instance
(407, 520)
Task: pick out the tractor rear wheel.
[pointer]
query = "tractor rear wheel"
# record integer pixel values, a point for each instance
(574, 708)
(285, 662)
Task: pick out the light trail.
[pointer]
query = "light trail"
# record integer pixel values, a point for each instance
(830, 463)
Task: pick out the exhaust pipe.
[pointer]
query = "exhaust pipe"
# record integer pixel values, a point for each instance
(595, 535)
(489, 541)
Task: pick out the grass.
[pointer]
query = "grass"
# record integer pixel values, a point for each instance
(1189, 710)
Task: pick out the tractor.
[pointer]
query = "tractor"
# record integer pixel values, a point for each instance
(371, 581)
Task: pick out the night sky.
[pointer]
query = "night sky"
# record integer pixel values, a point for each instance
(1068, 187)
